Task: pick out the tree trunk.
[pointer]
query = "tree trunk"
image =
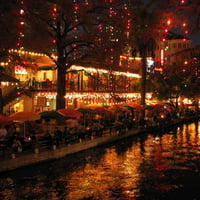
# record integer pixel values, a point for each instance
(143, 54)
(61, 88)
(143, 81)
(1, 101)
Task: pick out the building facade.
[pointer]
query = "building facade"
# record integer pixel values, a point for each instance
(85, 84)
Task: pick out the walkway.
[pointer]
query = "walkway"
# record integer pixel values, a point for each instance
(29, 158)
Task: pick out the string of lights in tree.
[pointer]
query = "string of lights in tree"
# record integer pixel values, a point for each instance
(128, 20)
(21, 32)
(127, 17)
(54, 14)
(76, 21)
(86, 2)
(175, 20)
(110, 51)
(126, 8)
(76, 8)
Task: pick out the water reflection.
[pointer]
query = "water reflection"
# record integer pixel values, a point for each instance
(162, 165)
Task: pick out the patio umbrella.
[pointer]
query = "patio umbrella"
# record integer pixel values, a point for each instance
(102, 110)
(98, 108)
(5, 120)
(70, 113)
(87, 111)
(52, 115)
(71, 123)
(118, 108)
(129, 107)
(24, 116)
(148, 107)
(160, 106)
(136, 106)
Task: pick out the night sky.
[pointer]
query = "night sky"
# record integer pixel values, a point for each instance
(196, 39)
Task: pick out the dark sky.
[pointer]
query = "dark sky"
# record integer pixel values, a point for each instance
(196, 39)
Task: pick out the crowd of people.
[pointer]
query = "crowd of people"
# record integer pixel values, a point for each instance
(16, 142)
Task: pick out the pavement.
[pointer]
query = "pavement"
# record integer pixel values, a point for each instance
(25, 159)
(19, 160)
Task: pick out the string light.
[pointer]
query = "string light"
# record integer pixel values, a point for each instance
(23, 52)
(128, 22)
(21, 27)
(95, 70)
(76, 10)
(54, 15)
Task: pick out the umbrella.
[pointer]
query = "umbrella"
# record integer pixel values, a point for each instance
(98, 108)
(52, 115)
(136, 106)
(118, 108)
(162, 107)
(24, 116)
(158, 106)
(87, 111)
(71, 123)
(102, 110)
(129, 106)
(148, 107)
(70, 113)
(5, 120)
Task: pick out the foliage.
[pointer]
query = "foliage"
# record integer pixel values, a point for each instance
(76, 31)
(176, 80)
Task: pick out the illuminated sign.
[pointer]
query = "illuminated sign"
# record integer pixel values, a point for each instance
(20, 69)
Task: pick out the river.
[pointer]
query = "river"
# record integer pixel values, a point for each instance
(154, 166)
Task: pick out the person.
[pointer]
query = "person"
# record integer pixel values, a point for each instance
(16, 145)
(34, 82)
(66, 135)
(3, 133)
(57, 136)
(48, 83)
(81, 133)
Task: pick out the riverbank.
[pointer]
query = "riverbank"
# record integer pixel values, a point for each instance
(31, 158)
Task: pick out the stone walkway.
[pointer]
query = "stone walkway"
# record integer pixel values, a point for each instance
(25, 159)
(28, 158)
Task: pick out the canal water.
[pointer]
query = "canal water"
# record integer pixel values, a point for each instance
(154, 166)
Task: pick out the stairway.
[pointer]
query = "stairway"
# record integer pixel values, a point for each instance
(15, 93)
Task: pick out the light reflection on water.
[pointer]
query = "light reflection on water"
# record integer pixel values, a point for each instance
(154, 166)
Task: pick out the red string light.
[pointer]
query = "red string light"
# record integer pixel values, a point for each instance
(21, 26)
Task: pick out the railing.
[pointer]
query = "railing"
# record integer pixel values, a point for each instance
(47, 142)
(52, 86)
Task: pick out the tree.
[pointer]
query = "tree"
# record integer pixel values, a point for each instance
(75, 30)
(175, 81)
(152, 20)
(71, 30)
(63, 28)
(147, 22)
(6, 75)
